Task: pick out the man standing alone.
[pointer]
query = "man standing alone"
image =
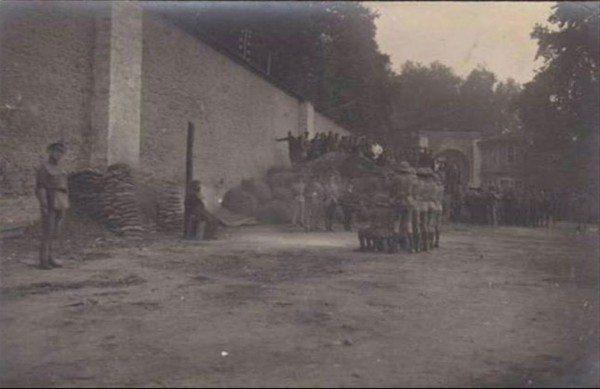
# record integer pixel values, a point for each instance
(52, 193)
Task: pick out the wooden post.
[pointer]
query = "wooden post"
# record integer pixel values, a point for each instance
(189, 176)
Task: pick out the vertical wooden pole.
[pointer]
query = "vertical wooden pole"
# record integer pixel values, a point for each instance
(189, 176)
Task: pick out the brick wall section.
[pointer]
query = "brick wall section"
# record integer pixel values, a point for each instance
(237, 114)
(45, 83)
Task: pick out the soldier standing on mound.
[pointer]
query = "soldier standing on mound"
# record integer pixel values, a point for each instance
(51, 189)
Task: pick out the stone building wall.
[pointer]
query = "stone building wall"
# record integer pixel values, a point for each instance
(119, 84)
(237, 114)
(45, 82)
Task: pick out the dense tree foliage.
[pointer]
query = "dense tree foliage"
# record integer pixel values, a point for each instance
(559, 107)
(434, 98)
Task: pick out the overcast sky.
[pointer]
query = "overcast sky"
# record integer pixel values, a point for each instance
(462, 35)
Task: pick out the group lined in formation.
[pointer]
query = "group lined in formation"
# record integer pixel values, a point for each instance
(402, 210)
(525, 207)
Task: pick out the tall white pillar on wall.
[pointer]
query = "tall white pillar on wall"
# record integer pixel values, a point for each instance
(116, 102)
(306, 118)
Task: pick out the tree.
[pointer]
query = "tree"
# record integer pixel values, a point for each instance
(477, 98)
(434, 98)
(426, 98)
(505, 103)
(559, 107)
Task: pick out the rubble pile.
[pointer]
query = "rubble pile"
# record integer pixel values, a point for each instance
(119, 203)
(169, 212)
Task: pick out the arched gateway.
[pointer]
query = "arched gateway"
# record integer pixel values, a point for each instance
(459, 151)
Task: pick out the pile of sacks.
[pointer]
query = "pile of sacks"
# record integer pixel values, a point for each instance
(119, 203)
(270, 199)
(169, 212)
(85, 193)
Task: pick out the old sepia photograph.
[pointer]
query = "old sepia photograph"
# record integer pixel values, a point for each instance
(299, 194)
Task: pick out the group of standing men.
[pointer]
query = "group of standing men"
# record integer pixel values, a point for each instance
(414, 204)
(304, 148)
(316, 201)
(417, 195)
(511, 207)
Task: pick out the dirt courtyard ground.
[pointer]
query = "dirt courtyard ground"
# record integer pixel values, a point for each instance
(270, 307)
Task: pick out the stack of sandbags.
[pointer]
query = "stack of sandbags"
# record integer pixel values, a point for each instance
(85, 193)
(271, 199)
(169, 213)
(120, 204)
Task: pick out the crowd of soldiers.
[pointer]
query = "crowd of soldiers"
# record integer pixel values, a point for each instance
(411, 208)
(518, 207)
(304, 148)
(493, 207)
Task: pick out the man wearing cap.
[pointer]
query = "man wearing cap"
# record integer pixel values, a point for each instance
(403, 189)
(51, 189)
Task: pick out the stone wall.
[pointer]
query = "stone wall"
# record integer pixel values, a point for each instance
(120, 84)
(45, 82)
(237, 114)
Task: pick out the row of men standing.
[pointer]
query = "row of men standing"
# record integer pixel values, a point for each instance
(316, 201)
(417, 195)
(304, 148)
(517, 207)
(415, 208)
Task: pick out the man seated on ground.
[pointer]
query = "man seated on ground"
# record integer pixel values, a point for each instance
(201, 224)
